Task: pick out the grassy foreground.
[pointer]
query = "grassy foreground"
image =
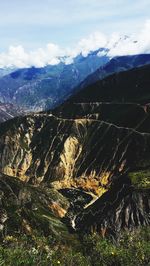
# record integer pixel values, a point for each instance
(132, 248)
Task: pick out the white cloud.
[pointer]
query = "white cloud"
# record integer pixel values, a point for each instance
(136, 44)
(93, 42)
(118, 45)
(18, 57)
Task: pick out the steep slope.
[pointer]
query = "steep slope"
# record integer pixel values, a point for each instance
(121, 207)
(8, 111)
(43, 88)
(73, 149)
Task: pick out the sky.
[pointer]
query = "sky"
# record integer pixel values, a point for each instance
(32, 30)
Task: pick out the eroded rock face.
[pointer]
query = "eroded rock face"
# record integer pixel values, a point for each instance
(121, 207)
(70, 150)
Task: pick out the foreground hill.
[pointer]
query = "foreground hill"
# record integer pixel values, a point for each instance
(92, 150)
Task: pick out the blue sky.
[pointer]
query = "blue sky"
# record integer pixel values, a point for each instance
(33, 23)
(38, 32)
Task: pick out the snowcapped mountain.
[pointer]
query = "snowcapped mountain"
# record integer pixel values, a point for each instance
(43, 88)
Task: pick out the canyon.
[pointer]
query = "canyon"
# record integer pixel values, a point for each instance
(92, 153)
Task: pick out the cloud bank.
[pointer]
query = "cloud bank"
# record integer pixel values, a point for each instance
(118, 45)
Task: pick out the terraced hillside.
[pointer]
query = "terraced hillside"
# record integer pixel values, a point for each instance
(96, 146)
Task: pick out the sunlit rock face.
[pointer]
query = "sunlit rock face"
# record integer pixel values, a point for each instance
(79, 152)
(97, 142)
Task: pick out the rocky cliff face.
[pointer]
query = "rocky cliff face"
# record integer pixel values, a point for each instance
(73, 151)
(121, 207)
(92, 145)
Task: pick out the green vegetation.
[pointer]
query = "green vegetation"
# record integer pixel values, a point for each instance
(140, 179)
(132, 248)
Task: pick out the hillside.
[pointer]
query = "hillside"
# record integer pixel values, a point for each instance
(73, 149)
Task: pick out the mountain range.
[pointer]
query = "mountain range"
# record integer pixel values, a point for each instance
(43, 88)
(37, 89)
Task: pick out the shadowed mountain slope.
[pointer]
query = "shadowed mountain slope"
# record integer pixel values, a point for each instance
(116, 65)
